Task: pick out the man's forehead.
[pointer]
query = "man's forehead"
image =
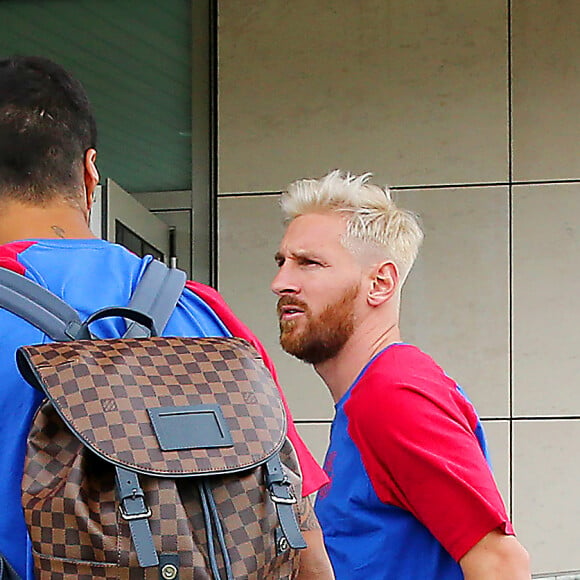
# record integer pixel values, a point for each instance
(315, 227)
(310, 234)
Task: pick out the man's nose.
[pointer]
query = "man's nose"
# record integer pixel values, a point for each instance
(283, 283)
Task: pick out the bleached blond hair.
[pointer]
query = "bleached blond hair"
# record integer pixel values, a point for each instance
(376, 229)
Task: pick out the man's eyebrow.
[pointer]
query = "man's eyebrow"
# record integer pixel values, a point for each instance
(296, 255)
(305, 255)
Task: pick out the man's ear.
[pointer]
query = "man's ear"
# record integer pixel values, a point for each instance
(384, 283)
(90, 175)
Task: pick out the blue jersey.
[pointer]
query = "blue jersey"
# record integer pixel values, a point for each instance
(411, 490)
(90, 274)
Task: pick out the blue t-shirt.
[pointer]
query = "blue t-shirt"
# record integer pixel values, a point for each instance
(89, 275)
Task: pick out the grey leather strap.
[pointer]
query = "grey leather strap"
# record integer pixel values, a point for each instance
(284, 500)
(156, 295)
(135, 511)
(38, 306)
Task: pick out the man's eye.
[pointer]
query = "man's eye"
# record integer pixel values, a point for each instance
(309, 262)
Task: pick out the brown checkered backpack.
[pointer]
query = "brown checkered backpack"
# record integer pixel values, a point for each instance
(153, 457)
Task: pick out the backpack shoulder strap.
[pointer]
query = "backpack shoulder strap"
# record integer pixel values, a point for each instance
(38, 306)
(156, 294)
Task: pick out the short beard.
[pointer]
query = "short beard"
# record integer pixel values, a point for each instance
(324, 336)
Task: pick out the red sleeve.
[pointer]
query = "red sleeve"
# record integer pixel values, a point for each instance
(9, 256)
(421, 453)
(313, 477)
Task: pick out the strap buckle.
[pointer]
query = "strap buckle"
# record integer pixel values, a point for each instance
(131, 517)
(286, 490)
(136, 494)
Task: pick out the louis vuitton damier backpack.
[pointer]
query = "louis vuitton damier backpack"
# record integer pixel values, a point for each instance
(152, 456)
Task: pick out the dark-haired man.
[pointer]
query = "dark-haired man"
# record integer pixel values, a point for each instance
(48, 174)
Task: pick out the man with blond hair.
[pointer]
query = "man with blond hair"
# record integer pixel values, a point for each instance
(411, 494)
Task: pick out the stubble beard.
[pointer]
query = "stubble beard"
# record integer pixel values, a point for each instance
(324, 336)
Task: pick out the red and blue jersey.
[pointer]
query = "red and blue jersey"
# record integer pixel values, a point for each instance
(411, 489)
(91, 274)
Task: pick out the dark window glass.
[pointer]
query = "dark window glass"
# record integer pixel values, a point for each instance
(134, 242)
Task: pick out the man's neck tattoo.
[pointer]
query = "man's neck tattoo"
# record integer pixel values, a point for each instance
(58, 231)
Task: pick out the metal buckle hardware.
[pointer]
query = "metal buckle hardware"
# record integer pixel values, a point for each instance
(130, 517)
(285, 500)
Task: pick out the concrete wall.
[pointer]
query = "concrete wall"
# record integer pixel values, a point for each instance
(470, 111)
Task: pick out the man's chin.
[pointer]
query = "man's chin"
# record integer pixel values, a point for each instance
(288, 330)
(292, 352)
(288, 342)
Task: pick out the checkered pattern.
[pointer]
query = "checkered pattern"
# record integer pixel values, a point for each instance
(103, 389)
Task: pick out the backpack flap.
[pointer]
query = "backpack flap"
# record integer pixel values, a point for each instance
(163, 406)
